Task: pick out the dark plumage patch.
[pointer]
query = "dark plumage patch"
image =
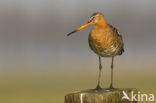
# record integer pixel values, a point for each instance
(119, 36)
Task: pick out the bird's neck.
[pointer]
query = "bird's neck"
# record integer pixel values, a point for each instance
(101, 24)
(99, 29)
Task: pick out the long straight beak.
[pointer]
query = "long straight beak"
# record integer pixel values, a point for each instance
(81, 27)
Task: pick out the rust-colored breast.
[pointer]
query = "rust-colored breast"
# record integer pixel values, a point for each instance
(105, 42)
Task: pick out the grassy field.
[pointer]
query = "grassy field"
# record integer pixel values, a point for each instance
(52, 86)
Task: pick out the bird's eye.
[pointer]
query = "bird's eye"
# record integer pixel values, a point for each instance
(92, 18)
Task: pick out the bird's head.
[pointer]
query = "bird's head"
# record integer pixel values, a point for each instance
(96, 19)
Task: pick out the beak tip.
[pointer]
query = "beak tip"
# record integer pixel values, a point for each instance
(71, 33)
(83, 26)
(68, 34)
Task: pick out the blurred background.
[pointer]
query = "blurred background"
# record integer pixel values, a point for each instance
(39, 64)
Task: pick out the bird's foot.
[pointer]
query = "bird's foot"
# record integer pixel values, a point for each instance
(111, 86)
(98, 87)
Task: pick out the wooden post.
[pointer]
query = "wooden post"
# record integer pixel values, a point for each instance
(100, 96)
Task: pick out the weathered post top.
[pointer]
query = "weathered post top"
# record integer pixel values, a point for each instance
(101, 96)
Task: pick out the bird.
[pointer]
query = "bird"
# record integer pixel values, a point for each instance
(104, 40)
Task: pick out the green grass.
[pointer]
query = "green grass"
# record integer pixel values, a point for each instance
(52, 86)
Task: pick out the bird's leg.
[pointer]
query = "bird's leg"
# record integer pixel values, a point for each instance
(111, 85)
(100, 68)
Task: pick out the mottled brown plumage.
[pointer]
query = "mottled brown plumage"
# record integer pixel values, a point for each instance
(106, 43)
(104, 39)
